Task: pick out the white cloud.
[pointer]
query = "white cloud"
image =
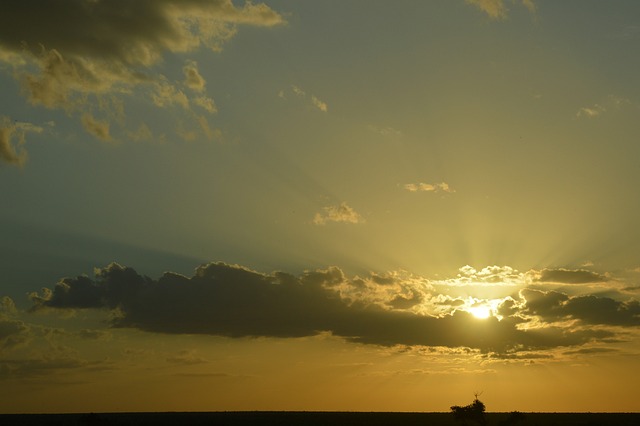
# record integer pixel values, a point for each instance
(340, 213)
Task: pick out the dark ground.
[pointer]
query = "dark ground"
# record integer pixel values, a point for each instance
(313, 419)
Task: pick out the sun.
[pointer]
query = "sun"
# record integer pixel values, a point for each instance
(480, 312)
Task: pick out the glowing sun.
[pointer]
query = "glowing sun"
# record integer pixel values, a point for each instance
(480, 312)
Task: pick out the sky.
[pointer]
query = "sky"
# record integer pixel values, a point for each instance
(319, 205)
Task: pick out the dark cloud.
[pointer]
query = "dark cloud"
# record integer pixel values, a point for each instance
(590, 351)
(233, 301)
(570, 276)
(546, 304)
(603, 310)
(13, 333)
(553, 306)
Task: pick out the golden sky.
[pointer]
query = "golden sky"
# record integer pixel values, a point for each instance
(332, 205)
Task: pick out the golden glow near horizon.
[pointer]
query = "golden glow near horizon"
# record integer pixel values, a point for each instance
(226, 206)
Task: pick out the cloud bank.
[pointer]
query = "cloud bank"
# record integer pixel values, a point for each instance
(393, 309)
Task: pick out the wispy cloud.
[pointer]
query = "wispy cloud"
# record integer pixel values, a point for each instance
(12, 139)
(610, 103)
(385, 131)
(429, 187)
(339, 213)
(299, 92)
(98, 128)
(591, 112)
(496, 9)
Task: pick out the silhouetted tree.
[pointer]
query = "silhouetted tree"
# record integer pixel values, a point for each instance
(473, 412)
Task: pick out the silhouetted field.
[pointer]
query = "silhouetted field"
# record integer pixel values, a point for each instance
(312, 419)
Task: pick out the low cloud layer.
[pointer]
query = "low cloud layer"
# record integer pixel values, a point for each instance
(393, 309)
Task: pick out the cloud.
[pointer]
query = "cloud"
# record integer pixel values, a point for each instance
(488, 276)
(299, 92)
(70, 54)
(591, 351)
(429, 187)
(38, 366)
(496, 9)
(98, 128)
(322, 106)
(552, 306)
(193, 79)
(590, 112)
(166, 94)
(385, 131)
(187, 357)
(234, 301)
(11, 140)
(341, 213)
(610, 103)
(569, 276)
(13, 333)
(206, 103)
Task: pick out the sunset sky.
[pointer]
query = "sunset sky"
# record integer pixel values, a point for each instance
(319, 205)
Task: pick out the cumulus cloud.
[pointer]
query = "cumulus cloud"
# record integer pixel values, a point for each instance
(234, 301)
(496, 9)
(69, 53)
(429, 187)
(340, 213)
